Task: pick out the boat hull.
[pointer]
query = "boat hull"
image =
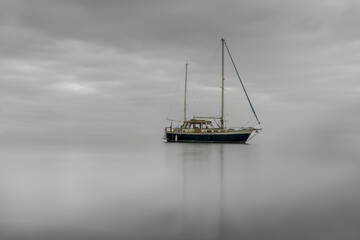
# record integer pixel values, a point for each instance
(233, 137)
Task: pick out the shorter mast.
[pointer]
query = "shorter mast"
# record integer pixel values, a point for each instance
(186, 68)
(222, 83)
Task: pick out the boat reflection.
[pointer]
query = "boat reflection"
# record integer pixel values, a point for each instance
(196, 158)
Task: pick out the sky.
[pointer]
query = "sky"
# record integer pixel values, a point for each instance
(85, 71)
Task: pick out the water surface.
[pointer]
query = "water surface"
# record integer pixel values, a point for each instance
(158, 190)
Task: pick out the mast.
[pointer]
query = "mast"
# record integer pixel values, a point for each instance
(222, 83)
(186, 68)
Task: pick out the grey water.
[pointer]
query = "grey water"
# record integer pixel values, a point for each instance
(156, 190)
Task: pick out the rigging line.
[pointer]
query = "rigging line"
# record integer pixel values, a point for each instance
(199, 91)
(173, 98)
(241, 82)
(195, 93)
(251, 118)
(198, 57)
(254, 124)
(209, 71)
(206, 75)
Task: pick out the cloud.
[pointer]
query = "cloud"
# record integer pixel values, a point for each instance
(76, 88)
(75, 54)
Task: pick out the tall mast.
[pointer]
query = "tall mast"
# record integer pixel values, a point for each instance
(186, 68)
(222, 85)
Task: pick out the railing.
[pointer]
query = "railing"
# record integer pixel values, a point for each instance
(206, 130)
(168, 129)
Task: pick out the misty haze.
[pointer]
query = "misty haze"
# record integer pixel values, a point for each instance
(86, 87)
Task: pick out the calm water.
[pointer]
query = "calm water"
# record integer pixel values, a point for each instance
(181, 191)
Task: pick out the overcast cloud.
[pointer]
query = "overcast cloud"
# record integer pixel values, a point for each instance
(74, 70)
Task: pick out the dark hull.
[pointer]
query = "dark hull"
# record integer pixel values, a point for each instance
(205, 137)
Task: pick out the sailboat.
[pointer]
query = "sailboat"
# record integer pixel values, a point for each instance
(207, 129)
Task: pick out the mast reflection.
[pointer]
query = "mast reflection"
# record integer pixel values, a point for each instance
(197, 160)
